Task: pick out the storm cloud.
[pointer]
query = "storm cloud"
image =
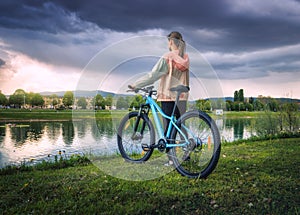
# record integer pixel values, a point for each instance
(2, 62)
(240, 39)
(222, 25)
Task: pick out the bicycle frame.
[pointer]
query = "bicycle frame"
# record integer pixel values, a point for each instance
(154, 109)
(192, 141)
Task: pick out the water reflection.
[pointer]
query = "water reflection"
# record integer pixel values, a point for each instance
(19, 135)
(68, 132)
(105, 128)
(236, 128)
(52, 130)
(39, 140)
(81, 128)
(36, 131)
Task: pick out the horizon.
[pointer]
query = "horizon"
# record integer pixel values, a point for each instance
(49, 93)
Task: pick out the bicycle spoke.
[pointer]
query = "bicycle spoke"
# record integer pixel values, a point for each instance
(130, 141)
(200, 156)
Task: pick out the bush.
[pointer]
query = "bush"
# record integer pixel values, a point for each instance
(285, 123)
(267, 124)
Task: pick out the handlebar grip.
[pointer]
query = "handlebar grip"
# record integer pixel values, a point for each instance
(136, 90)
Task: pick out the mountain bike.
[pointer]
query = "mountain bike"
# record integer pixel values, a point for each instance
(192, 141)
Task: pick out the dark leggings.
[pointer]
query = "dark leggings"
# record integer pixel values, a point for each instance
(167, 108)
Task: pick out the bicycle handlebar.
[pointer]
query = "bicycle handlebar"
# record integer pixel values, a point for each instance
(146, 89)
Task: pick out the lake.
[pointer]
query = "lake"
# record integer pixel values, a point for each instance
(33, 141)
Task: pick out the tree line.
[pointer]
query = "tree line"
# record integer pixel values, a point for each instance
(240, 103)
(20, 98)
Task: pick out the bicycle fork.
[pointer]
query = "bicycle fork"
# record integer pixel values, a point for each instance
(138, 135)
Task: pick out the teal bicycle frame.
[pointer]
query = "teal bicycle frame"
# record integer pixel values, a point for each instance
(154, 109)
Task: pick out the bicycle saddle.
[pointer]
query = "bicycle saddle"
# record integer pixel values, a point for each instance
(180, 89)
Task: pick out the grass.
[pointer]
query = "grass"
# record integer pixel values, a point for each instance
(259, 177)
(48, 114)
(244, 114)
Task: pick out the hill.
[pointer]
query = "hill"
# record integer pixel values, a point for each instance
(79, 93)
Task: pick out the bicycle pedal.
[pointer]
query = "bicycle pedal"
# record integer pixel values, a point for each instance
(146, 148)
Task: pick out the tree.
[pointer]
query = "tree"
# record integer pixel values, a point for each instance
(249, 106)
(29, 97)
(54, 98)
(236, 96)
(99, 102)
(68, 98)
(291, 113)
(82, 102)
(217, 103)
(109, 100)
(122, 103)
(137, 101)
(18, 98)
(251, 100)
(37, 100)
(238, 106)
(19, 92)
(229, 105)
(272, 105)
(3, 99)
(203, 105)
(258, 105)
(241, 95)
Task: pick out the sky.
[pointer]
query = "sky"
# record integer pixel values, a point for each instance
(62, 45)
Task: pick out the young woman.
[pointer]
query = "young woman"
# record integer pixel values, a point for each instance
(172, 70)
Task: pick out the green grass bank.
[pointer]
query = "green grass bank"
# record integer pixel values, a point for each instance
(259, 177)
(46, 114)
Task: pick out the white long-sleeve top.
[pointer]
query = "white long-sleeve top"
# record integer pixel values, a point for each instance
(172, 70)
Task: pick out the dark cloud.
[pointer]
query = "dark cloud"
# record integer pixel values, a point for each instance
(38, 16)
(245, 30)
(2, 62)
(140, 15)
(241, 39)
(247, 26)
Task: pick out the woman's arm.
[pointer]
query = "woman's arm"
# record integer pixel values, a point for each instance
(159, 70)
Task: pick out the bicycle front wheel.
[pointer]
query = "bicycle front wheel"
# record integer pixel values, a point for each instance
(134, 132)
(200, 156)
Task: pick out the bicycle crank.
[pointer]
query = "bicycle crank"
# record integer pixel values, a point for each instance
(161, 145)
(146, 147)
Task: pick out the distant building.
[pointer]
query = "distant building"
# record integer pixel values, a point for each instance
(219, 111)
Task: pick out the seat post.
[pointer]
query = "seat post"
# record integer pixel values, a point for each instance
(176, 102)
(179, 89)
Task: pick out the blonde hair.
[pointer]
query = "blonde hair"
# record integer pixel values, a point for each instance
(179, 42)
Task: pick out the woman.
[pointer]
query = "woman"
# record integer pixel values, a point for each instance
(172, 70)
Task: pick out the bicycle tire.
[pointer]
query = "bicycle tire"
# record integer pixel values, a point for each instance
(200, 157)
(131, 147)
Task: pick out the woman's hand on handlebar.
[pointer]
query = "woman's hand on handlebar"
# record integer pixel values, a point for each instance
(131, 87)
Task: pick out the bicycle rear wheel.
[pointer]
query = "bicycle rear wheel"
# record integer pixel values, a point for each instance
(135, 131)
(200, 157)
